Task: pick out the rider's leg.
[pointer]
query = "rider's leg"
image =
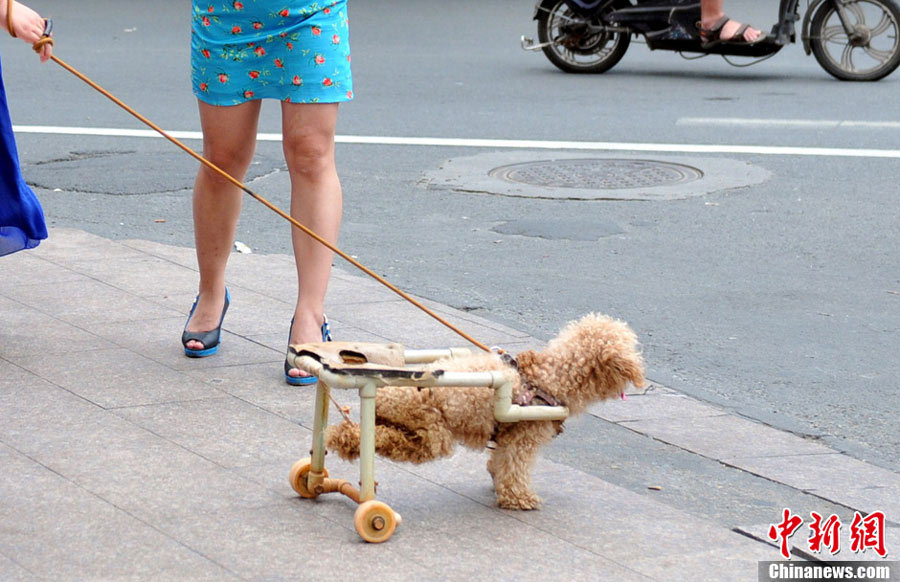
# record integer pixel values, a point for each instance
(711, 11)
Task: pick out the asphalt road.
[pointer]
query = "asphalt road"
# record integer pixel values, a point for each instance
(780, 300)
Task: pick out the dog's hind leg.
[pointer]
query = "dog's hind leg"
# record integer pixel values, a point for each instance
(400, 443)
(412, 444)
(510, 463)
(404, 430)
(408, 427)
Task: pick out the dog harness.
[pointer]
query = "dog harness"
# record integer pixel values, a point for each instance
(532, 395)
(531, 391)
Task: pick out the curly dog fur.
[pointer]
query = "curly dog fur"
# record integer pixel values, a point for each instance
(592, 359)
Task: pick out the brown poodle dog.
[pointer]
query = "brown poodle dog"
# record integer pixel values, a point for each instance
(592, 359)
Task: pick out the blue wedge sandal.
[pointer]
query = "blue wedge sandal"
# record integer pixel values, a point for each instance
(304, 380)
(209, 339)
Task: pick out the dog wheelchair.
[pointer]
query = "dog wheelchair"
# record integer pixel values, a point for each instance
(366, 367)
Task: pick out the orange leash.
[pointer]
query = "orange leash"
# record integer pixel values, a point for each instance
(48, 40)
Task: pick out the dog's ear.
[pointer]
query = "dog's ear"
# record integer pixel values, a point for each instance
(631, 368)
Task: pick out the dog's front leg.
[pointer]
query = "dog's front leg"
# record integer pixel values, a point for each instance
(510, 463)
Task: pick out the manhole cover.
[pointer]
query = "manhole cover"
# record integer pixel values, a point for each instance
(597, 174)
(529, 174)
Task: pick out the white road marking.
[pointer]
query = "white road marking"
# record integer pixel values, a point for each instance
(788, 123)
(499, 143)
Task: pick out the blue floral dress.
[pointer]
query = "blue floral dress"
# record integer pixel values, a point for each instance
(21, 218)
(292, 50)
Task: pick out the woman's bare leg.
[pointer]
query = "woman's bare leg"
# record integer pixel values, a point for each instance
(229, 139)
(316, 202)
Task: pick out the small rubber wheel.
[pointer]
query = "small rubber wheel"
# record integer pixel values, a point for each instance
(375, 521)
(298, 478)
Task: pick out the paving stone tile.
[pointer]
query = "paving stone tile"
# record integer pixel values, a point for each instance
(145, 474)
(834, 476)
(116, 377)
(464, 466)
(154, 338)
(716, 565)
(633, 530)
(652, 406)
(273, 475)
(35, 413)
(287, 541)
(228, 431)
(159, 340)
(438, 522)
(137, 275)
(271, 276)
(252, 313)
(87, 301)
(69, 244)
(725, 436)
(349, 287)
(25, 268)
(263, 386)
(25, 331)
(510, 554)
(57, 530)
(12, 572)
(13, 376)
(181, 256)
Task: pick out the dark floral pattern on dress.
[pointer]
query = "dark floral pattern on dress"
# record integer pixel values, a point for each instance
(297, 52)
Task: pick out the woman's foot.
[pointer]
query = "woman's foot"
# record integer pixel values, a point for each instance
(305, 329)
(202, 331)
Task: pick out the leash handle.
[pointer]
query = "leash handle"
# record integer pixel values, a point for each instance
(45, 39)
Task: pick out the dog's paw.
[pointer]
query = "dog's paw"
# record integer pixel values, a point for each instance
(522, 502)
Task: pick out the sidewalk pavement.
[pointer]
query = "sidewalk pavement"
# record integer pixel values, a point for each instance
(123, 460)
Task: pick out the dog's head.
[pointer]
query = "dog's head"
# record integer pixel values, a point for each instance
(591, 359)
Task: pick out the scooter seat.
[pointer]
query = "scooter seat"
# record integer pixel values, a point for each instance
(657, 12)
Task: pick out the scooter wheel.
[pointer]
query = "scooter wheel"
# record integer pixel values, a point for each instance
(868, 51)
(578, 44)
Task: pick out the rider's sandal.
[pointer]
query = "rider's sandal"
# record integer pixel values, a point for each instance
(209, 339)
(710, 37)
(308, 379)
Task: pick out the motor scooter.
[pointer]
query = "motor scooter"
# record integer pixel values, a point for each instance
(854, 40)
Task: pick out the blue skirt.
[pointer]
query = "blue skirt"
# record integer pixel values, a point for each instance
(291, 50)
(21, 218)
